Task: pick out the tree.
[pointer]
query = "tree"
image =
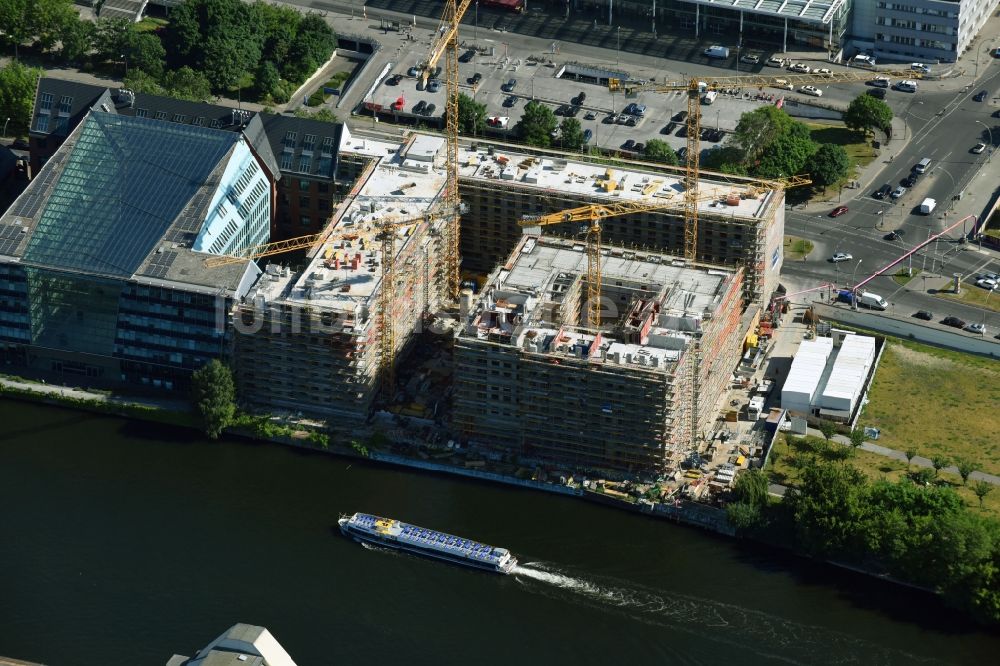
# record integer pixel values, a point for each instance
(728, 159)
(41, 20)
(144, 51)
(830, 509)
(867, 113)
(313, 45)
(571, 134)
(215, 396)
(965, 468)
(77, 38)
(786, 155)
(828, 429)
(112, 37)
(660, 151)
(278, 26)
(939, 462)
(324, 114)
(910, 454)
(743, 516)
(536, 125)
(267, 79)
(141, 82)
(185, 83)
(982, 489)
(17, 95)
(828, 164)
(857, 438)
(757, 130)
(471, 115)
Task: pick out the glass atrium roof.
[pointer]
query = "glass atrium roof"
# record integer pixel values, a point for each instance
(125, 181)
(821, 11)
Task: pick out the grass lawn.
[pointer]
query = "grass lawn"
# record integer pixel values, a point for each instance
(797, 248)
(903, 276)
(972, 295)
(855, 143)
(149, 24)
(789, 457)
(937, 401)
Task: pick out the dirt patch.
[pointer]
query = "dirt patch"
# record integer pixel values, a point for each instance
(913, 357)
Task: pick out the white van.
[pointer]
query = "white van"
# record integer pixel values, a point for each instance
(922, 165)
(871, 300)
(881, 81)
(709, 97)
(863, 60)
(906, 85)
(783, 84)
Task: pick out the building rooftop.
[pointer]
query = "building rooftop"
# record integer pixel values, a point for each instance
(813, 11)
(242, 645)
(123, 197)
(611, 184)
(654, 305)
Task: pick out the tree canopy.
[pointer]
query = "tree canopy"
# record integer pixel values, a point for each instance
(660, 151)
(827, 165)
(537, 124)
(17, 95)
(866, 113)
(215, 396)
(471, 115)
(571, 134)
(41, 21)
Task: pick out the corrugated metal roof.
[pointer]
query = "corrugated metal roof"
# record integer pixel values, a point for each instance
(847, 379)
(807, 369)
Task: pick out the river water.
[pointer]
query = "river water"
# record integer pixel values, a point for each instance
(122, 543)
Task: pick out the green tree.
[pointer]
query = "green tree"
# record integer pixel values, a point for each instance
(830, 510)
(828, 164)
(857, 438)
(185, 83)
(743, 516)
(728, 159)
(660, 151)
(267, 79)
(982, 488)
(215, 396)
(828, 429)
(471, 115)
(965, 468)
(144, 51)
(313, 45)
(757, 131)
(536, 125)
(571, 134)
(939, 462)
(112, 37)
(37, 20)
(77, 39)
(141, 82)
(17, 95)
(866, 113)
(786, 155)
(324, 114)
(910, 454)
(278, 26)
(751, 487)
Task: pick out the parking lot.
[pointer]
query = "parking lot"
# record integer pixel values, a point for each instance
(555, 83)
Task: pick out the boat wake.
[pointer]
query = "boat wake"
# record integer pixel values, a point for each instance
(769, 636)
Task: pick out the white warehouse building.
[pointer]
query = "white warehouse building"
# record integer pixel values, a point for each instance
(802, 386)
(846, 383)
(829, 375)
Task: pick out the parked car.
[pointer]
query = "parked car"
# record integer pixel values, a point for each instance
(634, 109)
(920, 67)
(979, 148)
(680, 116)
(587, 135)
(894, 235)
(953, 321)
(811, 90)
(561, 109)
(924, 314)
(877, 93)
(475, 78)
(898, 192)
(864, 60)
(509, 86)
(841, 256)
(467, 56)
(800, 67)
(590, 115)
(629, 145)
(429, 109)
(640, 148)
(996, 114)
(986, 283)
(980, 96)
(750, 59)
(433, 85)
(436, 73)
(510, 101)
(631, 121)
(882, 192)
(910, 180)
(413, 71)
(775, 61)
(976, 328)
(669, 128)
(838, 211)
(682, 153)
(823, 71)
(394, 80)
(610, 119)
(991, 276)
(419, 107)
(572, 111)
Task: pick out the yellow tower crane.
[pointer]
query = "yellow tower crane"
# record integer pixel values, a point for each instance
(445, 45)
(385, 231)
(694, 90)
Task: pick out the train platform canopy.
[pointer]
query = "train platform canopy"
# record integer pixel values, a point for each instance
(815, 11)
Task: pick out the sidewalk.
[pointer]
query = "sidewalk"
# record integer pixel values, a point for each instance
(899, 455)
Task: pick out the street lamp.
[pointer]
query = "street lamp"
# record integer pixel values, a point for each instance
(618, 46)
(476, 33)
(989, 153)
(5, 127)
(986, 305)
(854, 285)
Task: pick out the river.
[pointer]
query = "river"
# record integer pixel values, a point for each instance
(122, 543)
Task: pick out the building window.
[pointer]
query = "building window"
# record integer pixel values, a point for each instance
(180, 118)
(42, 124)
(305, 220)
(46, 102)
(141, 113)
(289, 141)
(286, 161)
(65, 104)
(199, 121)
(322, 188)
(309, 142)
(216, 123)
(160, 115)
(304, 202)
(304, 185)
(328, 144)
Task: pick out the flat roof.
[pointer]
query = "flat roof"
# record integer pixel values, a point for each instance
(567, 176)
